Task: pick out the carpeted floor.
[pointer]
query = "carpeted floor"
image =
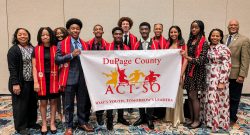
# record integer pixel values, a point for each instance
(241, 128)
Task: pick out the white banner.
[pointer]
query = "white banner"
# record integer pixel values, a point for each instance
(131, 79)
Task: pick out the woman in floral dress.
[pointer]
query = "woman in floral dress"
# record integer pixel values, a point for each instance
(216, 97)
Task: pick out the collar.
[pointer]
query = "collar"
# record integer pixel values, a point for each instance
(126, 34)
(73, 40)
(148, 40)
(95, 40)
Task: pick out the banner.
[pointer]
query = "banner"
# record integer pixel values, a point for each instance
(131, 79)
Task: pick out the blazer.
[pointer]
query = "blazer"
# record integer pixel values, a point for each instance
(240, 55)
(75, 68)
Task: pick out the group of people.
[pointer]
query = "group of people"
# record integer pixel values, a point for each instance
(52, 73)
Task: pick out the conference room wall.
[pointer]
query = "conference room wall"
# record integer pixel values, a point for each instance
(33, 14)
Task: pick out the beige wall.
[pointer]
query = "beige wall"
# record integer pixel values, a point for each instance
(33, 14)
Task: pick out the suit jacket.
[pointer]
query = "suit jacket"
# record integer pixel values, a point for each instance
(75, 68)
(240, 55)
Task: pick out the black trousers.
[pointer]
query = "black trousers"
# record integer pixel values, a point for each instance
(83, 103)
(25, 107)
(235, 90)
(146, 113)
(109, 113)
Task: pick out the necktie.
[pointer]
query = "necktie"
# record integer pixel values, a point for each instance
(76, 46)
(229, 40)
(118, 47)
(144, 45)
(125, 39)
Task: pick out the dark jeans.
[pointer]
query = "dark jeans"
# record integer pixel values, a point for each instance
(83, 103)
(235, 90)
(146, 113)
(25, 107)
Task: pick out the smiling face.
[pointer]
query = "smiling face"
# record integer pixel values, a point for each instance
(45, 37)
(98, 31)
(195, 29)
(174, 34)
(158, 29)
(22, 37)
(125, 26)
(233, 27)
(59, 35)
(74, 30)
(215, 37)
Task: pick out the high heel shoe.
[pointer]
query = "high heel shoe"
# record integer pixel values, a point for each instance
(53, 131)
(44, 133)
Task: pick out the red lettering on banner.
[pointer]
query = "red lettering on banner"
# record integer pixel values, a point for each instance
(109, 89)
(158, 87)
(117, 89)
(131, 88)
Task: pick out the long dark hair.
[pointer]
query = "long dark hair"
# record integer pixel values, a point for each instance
(221, 35)
(51, 35)
(15, 41)
(180, 38)
(200, 34)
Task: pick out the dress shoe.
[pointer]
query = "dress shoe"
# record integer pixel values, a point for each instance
(130, 110)
(123, 121)
(109, 124)
(86, 127)
(150, 124)
(232, 123)
(68, 131)
(140, 121)
(100, 120)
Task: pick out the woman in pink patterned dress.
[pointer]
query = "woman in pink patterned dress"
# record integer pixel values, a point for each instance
(216, 97)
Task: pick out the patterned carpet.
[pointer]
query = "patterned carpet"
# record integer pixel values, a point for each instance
(241, 128)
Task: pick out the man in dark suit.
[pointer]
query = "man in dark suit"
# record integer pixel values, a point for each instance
(72, 78)
(117, 44)
(145, 43)
(98, 44)
(239, 46)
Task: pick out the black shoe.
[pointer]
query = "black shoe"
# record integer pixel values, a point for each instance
(99, 120)
(140, 121)
(44, 133)
(53, 131)
(35, 126)
(150, 124)
(110, 124)
(122, 121)
(130, 110)
(24, 132)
